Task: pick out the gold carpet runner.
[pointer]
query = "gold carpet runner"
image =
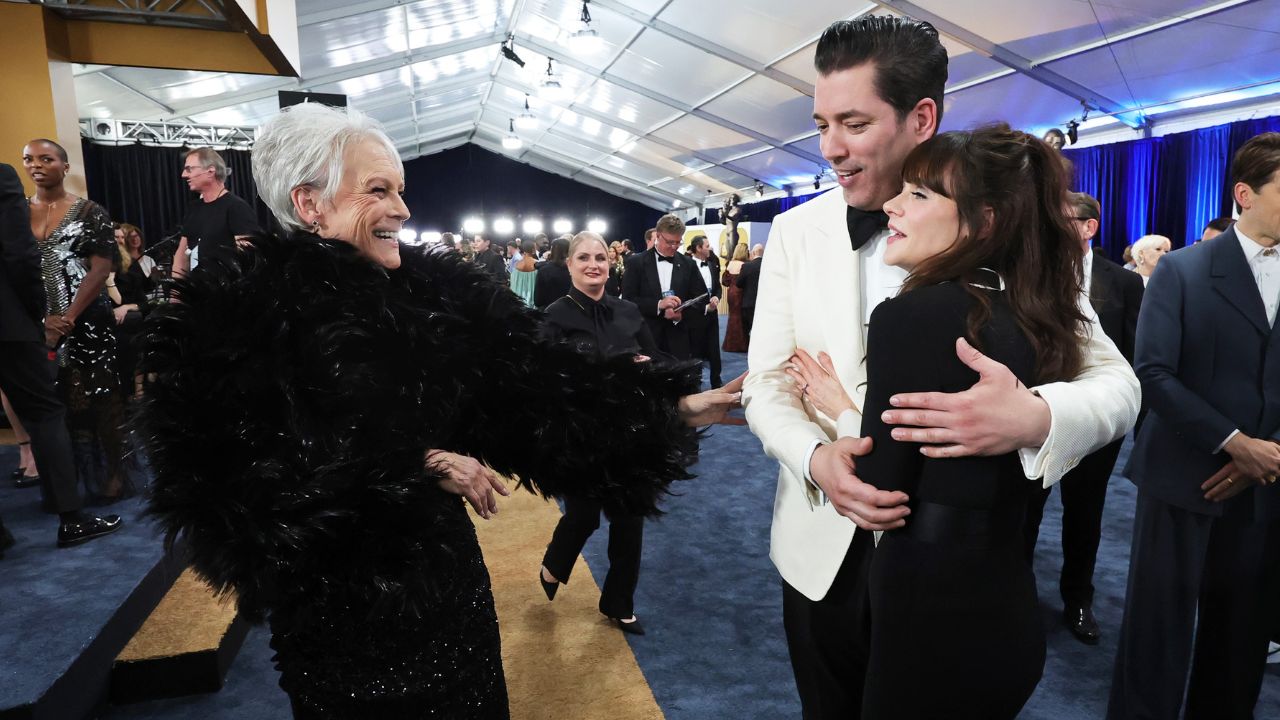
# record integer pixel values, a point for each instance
(563, 660)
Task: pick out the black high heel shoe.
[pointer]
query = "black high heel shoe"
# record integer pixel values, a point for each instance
(19, 471)
(631, 628)
(549, 588)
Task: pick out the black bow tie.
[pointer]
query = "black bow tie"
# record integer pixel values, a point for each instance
(664, 258)
(863, 225)
(702, 263)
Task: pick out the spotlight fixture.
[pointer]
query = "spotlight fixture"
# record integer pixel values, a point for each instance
(676, 205)
(512, 141)
(527, 120)
(531, 227)
(759, 187)
(550, 87)
(817, 181)
(562, 226)
(431, 237)
(1073, 131)
(408, 235)
(509, 50)
(473, 225)
(504, 226)
(597, 226)
(585, 39)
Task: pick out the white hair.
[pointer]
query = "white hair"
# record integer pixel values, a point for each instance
(1147, 242)
(305, 145)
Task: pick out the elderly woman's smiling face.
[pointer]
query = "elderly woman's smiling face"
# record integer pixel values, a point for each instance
(368, 211)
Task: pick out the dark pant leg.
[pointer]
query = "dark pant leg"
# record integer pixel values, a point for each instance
(711, 342)
(626, 540)
(829, 639)
(748, 316)
(26, 376)
(1031, 523)
(1154, 653)
(1084, 492)
(581, 518)
(1237, 602)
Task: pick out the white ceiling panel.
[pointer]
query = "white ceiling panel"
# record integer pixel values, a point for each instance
(753, 28)
(684, 73)
(768, 106)
(254, 113)
(714, 140)
(350, 40)
(727, 177)
(553, 22)
(176, 87)
(568, 148)
(776, 167)
(633, 170)
(631, 108)
(99, 97)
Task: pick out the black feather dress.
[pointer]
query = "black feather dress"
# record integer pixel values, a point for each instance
(295, 391)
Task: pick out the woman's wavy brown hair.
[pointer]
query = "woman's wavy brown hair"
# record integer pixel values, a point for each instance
(1010, 189)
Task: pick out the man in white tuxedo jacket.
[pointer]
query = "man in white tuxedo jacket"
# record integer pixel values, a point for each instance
(818, 286)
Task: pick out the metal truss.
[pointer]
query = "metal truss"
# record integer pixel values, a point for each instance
(205, 14)
(165, 134)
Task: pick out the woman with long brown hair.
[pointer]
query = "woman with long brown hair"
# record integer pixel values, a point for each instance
(980, 227)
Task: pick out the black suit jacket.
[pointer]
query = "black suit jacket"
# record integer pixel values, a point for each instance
(749, 281)
(698, 320)
(494, 265)
(551, 284)
(1209, 364)
(1116, 295)
(21, 287)
(640, 285)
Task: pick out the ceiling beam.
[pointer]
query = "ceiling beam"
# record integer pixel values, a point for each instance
(702, 43)
(516, 10)
(107, 74)
(347, 72)
(346, 11)
(568, 170)
(1010, 59)
(536, 46)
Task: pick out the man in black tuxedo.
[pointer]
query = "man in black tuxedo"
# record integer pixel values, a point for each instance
(489, 260)
(749, 283)
(27, 372)
(1204, 571)
(704, 320)
(1116, 295)
(658, 281)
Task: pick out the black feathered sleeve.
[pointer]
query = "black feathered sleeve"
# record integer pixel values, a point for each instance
(561, 420)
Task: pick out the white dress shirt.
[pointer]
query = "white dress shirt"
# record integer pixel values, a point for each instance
(664, 273)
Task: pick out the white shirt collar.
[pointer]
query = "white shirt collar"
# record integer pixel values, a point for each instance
(1251, 248)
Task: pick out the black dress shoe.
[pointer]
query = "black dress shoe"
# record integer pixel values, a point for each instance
(1081, 623)
(17, 473)
(90, 527)
(6, 539)
(26, 481)
(632, 628)
(549, 588)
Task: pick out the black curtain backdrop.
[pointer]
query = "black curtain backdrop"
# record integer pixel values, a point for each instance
(443, 189)
(142, 185)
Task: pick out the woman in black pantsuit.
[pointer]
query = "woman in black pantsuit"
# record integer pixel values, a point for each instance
(597, 322)
(981, 227)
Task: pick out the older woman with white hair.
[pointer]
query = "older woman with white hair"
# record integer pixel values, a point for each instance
(321, 404)
(1147, 251)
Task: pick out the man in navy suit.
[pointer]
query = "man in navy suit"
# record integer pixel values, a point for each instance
(658, 281)
(1205, 563)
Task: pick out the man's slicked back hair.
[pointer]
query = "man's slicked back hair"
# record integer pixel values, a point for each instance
(910, 62)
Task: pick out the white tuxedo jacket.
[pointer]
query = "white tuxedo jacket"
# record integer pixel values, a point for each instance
(811, 297)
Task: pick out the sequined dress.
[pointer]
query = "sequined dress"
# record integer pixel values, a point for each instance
(88, 355)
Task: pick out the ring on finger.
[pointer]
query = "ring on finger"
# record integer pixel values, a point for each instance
(1229, 481)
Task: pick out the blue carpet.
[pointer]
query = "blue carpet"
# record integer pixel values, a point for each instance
(53, 602)
(712, 604)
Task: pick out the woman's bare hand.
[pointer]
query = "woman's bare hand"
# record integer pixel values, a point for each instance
(816, 381)
(467, 477)
(710, 407)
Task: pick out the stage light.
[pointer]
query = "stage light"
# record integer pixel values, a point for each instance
(676, 204)
(512, 141)
(1073, 131)
(585, 39)
(509, 51)
(562, 226)
(597, 226)
(550, 87)
(431, 237)
(473, 225)
(817, 181)
(759, 187)
(408, 235)
(531, 227)
(504, 226)
(527, 120)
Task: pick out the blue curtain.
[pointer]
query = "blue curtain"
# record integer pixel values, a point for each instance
(1171, 185)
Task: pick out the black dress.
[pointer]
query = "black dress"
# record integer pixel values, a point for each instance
(955, 625)
(608, 327)
(297, 389)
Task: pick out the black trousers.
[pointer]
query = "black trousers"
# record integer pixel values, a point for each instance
(27, 377)
(1196, 580)
(1084, 492)
(704, 339)
(748, 317)
(829, 639)
(626, 539)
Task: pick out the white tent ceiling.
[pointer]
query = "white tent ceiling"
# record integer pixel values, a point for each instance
(683, 98)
